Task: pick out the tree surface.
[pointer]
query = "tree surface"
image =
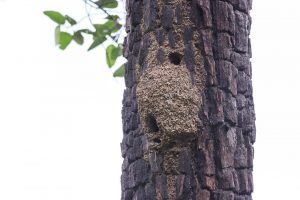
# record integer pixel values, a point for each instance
(188, 112)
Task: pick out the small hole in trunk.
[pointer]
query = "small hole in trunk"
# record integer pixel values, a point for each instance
(175, 58)
(156, 140)
(152, 124)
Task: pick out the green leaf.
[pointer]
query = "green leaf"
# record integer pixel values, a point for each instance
(55, 16)
(64, 40)
(107, 28)
(113, 17)
(104, 29)
(78, 38)
(57, 34)
(117, 27)
(70, 20)
(112, 53)
(107, 3)
(87, 31)
(97, 41)
(120, 71)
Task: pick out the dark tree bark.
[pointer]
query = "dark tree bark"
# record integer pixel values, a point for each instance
(188, 112)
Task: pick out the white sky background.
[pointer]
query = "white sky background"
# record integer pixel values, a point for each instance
(60, 112)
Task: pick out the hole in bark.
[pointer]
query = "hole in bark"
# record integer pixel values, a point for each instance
(156, 140)
(175, 58)
(152, 124)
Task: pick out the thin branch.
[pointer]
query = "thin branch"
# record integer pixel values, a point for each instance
(91, 3)
(87, 12)
(109, 16)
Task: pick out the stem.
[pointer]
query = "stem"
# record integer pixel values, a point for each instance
(94, 5)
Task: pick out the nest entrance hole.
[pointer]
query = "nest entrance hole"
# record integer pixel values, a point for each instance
(157, 140)
(175, 58)
(152, 123)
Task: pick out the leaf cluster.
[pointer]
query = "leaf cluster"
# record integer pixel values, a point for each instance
(109, 29)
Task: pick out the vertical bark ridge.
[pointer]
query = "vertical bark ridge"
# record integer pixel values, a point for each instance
(211, 39)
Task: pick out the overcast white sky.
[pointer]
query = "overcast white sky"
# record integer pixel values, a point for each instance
(60, 121)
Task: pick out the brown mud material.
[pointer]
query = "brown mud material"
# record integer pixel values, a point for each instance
(168, 104)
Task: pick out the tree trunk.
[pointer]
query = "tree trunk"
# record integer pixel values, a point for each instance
(188, 113)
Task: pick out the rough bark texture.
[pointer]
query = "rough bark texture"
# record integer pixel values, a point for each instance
(188, 112)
